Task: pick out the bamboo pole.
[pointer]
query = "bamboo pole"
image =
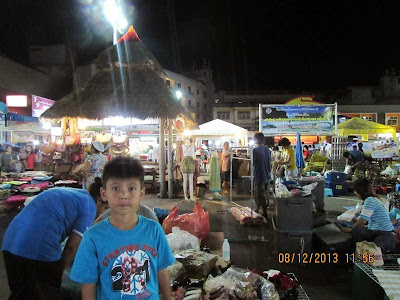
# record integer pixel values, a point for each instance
(170, 162)
(162, 159)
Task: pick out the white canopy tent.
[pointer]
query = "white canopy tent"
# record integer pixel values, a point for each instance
(218, 129)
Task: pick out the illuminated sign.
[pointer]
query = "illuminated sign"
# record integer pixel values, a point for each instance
(40, 105)
(17, 100)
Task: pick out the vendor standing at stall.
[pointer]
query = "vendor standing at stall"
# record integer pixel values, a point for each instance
(8, 160)
(380, 229)
(262, 173)
(94, 164)
(225, 167)
(288, 159)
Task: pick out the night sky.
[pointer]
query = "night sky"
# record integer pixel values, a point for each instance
(252, 45)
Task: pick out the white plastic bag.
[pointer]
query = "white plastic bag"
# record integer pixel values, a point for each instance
(282, 191)
(348, 216)
(182, 240)
(308, 188)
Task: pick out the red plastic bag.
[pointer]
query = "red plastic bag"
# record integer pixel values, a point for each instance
(197, 223)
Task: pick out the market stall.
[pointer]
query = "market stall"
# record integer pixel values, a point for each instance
(364, 128)
(127, 84)
(218, 131)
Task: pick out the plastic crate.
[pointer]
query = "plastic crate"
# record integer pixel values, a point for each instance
(338, 189)
(294, 213)
(292, 241)
(336, 177)
(317, 192)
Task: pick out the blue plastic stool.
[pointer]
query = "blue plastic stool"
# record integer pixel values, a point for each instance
(328, 192)
(397, 187)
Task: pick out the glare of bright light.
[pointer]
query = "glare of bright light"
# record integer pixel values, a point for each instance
(251, 143)
(218, 143)
(178, 94)
(187, 133)
(59, 142)
(114, 15)
(210, 143)
(46, 125)
(36, 143)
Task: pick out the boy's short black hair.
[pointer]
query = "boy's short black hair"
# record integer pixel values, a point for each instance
(346, 154)
(259, 137)
(123, 168)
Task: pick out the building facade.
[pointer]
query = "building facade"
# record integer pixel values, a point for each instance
(379, 104)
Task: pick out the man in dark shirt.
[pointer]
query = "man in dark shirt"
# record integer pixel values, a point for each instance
(351, 161)
(8, 159)
(262, 173)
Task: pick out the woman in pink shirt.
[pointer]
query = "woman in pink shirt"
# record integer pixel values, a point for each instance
(225, 167)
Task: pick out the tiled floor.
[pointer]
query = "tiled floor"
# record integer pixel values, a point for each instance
(320, 281)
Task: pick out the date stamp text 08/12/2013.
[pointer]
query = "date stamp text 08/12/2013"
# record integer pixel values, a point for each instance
(324, 258)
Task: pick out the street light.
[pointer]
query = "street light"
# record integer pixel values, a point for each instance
(178, 95)
(115, 17)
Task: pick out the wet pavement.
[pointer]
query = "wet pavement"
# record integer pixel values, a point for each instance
(251, 246)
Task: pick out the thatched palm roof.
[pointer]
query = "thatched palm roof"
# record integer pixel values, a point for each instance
(128, 91)
(129, 51)
(128, 84)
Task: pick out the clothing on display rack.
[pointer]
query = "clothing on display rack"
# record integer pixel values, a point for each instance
(188, 169)
(215, 175)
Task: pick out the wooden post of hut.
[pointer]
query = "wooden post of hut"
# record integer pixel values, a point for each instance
(162, 158)
(170, 162)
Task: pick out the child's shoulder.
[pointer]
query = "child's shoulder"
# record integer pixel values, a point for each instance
(97, 228)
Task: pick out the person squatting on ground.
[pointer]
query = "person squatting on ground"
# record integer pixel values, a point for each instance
(31, 246)
(380, 229)
(126, 254)
(262, 173)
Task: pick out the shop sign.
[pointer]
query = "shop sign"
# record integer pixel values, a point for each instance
(17, 100)
(287, 119)
(382, 150)
(40, 105)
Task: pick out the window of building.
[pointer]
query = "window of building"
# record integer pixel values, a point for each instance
(190, 89)
(223, 115)
(198, 91)
(392, 121)
(204, 94)
(189, 102)
(168, 82)
(243, 115)
(179, 85)
(198, 103)
(198, 117)
(205, 106)
(368, 118)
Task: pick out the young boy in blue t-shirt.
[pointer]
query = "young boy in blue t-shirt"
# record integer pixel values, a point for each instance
(126, 255)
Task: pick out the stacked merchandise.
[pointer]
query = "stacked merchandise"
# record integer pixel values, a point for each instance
(337, 182)
(293, 222)
(17, 190)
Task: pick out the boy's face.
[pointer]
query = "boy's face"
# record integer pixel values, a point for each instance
(123, 195)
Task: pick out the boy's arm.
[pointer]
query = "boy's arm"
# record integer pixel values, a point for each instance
(88, 291)
(164, 283)
(70, 249)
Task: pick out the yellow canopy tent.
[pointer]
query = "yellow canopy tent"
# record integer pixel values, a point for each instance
(358, 126)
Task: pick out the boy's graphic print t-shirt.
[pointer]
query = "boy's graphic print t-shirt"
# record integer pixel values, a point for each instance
(123, 264)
